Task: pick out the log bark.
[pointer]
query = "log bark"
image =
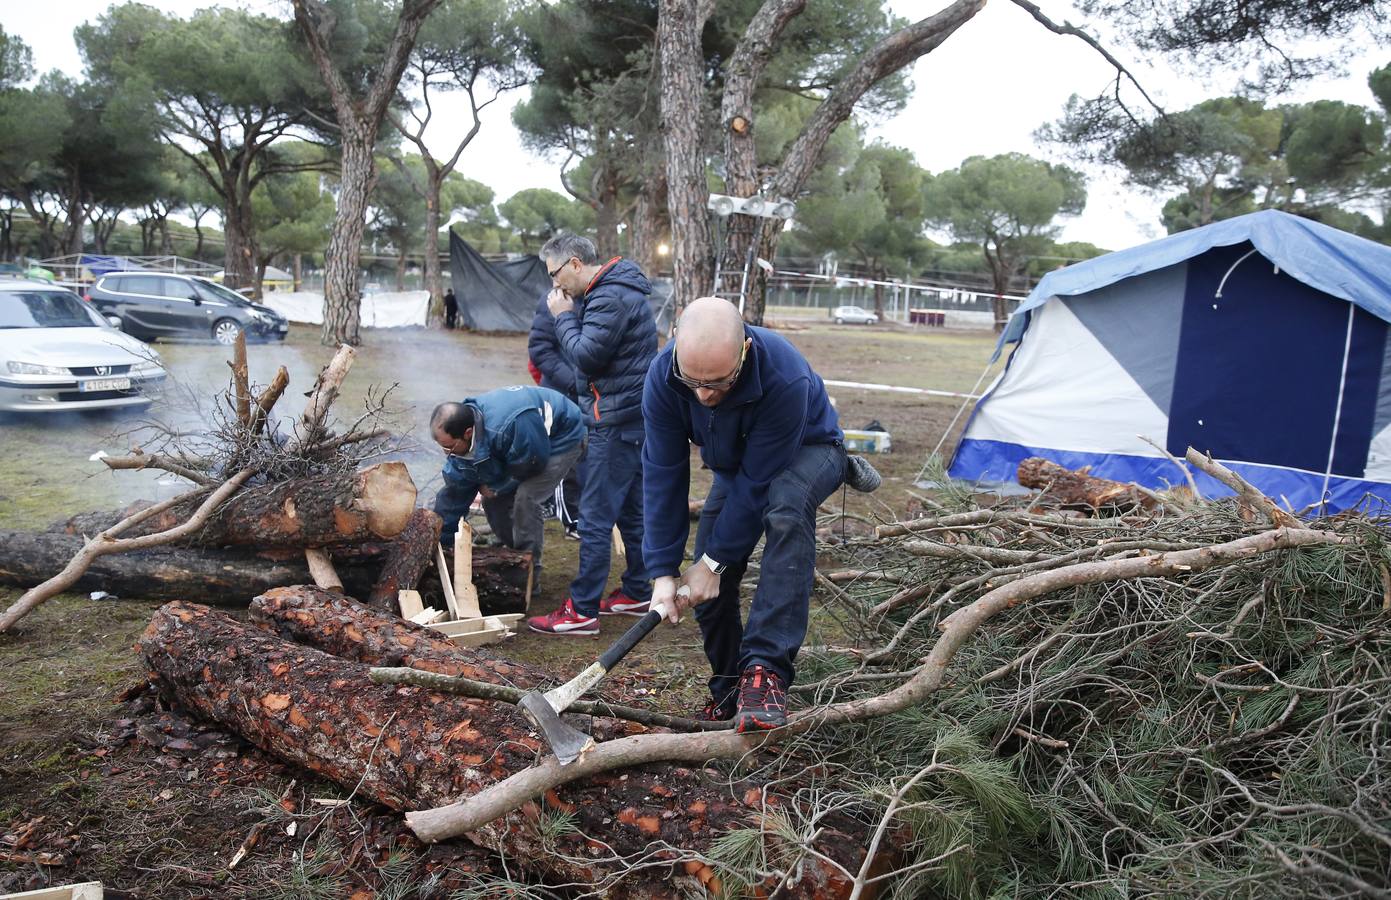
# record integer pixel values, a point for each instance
(222, 577)
(345, 628)
(1078, 488)
(305, 512)
(408, 746)
(406, 559)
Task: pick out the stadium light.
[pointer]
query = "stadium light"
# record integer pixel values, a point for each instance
(724, 205)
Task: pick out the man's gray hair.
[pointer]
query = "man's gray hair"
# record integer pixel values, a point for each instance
(565, 245)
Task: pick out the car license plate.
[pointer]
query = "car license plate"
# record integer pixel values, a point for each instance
(283, 326)
(104, 384)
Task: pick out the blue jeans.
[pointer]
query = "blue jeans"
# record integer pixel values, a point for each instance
(611, 495)
(778, 615)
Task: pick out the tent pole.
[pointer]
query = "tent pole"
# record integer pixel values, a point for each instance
(1338, 410)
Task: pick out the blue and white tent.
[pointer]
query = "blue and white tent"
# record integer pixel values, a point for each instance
(1261, 340)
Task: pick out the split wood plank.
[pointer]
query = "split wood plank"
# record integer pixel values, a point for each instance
(428, 616)
(321, 569)
(87, 890)
(410, 603)
(445, 584)
(465, 593)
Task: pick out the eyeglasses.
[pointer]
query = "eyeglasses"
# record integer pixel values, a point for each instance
(720, 384)
(558, 268)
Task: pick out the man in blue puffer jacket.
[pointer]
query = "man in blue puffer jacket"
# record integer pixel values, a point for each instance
(514, 445)
(558, 373)
(605, 329)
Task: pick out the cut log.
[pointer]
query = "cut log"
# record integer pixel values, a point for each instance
(305, 512)
(232, 577)
(347, 629)
(406, 559)
(409, 747)
(1080, 489)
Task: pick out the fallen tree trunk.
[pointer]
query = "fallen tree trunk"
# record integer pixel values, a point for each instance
(1078, 488)
(227, 577)
(406, 559)
(637, 835)
(304, 512)
(345, 628)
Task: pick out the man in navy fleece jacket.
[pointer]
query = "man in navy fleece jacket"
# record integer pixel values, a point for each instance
(767, 430)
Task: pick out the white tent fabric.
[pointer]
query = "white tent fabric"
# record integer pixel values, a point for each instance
(1058, 381)
(384, 310)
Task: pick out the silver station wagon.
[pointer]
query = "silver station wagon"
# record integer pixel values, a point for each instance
(58, 353)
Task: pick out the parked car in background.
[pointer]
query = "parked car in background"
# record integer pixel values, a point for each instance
(853, 314)
(58, 353)
(151, 305)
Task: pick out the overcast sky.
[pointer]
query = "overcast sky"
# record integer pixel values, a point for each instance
(984, 91)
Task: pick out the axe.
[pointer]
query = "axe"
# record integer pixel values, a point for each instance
(568, 743)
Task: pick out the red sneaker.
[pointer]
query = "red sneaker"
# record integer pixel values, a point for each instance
(564, 621)
(762, 701)
(618, 603)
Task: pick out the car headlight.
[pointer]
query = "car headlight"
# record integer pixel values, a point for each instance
(24, 368)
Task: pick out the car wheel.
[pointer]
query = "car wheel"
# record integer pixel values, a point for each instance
(839, 320)
(225, 331)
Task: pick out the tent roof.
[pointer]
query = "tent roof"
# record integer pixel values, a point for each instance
(1326, 259)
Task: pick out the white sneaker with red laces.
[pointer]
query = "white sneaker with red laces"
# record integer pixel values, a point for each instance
(565, 620)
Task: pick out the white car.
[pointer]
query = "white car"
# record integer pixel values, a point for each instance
(57, 353)
(853, 314)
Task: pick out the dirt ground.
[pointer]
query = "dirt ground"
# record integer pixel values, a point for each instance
(94, 785)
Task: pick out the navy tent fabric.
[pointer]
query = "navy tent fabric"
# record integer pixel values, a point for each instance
(499, 297)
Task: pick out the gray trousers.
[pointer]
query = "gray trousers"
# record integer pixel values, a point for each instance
(516, 517)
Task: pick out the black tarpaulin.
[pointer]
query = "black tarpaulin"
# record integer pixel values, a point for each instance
(495, 296)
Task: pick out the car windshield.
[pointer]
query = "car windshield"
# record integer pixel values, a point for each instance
(46, 309)
(214, 291)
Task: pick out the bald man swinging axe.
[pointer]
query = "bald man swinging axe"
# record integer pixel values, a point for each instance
(768, 432)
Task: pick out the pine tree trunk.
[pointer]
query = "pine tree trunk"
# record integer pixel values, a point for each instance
(342, 289)
(434, 278)
(884, 59)
(647, 226)
(606, 223)
(682, 65)
(239, 236)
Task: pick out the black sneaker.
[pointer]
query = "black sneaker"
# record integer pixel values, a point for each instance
(718, 710)
(762, 701)
(860, 475)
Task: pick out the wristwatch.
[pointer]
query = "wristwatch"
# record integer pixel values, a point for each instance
(716, 567)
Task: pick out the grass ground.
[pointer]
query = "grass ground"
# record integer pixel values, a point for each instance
(87, 793)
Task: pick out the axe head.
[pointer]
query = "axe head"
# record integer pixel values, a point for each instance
(567, 743)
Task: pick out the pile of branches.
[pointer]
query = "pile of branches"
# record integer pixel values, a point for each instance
(241, 446)
(1155, 708)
